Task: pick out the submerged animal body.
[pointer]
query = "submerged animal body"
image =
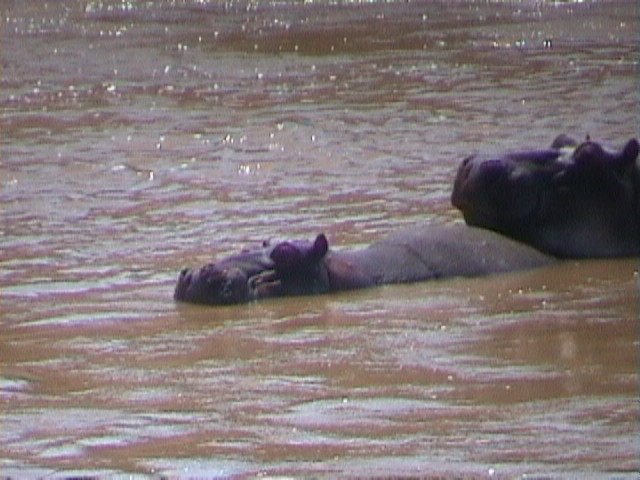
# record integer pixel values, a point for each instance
(310, 267)
(568, 200)
(571, 201)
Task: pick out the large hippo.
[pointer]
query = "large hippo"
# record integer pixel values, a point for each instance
(569, 201)
(311, 267)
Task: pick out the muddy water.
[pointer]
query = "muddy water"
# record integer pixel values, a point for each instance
(138, 138)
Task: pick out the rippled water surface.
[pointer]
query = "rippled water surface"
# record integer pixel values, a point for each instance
(140, 137)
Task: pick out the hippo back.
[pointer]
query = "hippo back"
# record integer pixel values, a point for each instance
(428, 252)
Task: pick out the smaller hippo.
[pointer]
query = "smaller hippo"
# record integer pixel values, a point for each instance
(286, 268)
(298, 267)
(571, 200)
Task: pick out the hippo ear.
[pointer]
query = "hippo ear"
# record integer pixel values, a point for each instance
(592, 154)
(320, 246)
(630, 152)
(627, 156)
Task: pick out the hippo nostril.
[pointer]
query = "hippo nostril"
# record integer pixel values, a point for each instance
(186, 276)
(468, 160)
(466, 167)
(184, 283)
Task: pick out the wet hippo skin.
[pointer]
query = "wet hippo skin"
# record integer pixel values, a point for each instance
(311, 267)
(571, 201)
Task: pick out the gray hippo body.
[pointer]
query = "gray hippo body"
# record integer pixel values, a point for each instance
(411, 255)
(571, 201)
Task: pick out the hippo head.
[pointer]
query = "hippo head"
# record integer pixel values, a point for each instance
(568, 200)
(213, 284)
(286, 268)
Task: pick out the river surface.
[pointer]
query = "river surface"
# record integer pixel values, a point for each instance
(141, 137)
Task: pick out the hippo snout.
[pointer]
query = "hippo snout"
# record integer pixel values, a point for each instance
(475, 176)
(184, 280)
(212, 285)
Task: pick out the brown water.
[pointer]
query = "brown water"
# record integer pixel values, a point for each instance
(138, 138)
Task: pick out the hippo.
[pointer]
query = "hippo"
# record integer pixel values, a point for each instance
(302, 267)
(570, 201)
